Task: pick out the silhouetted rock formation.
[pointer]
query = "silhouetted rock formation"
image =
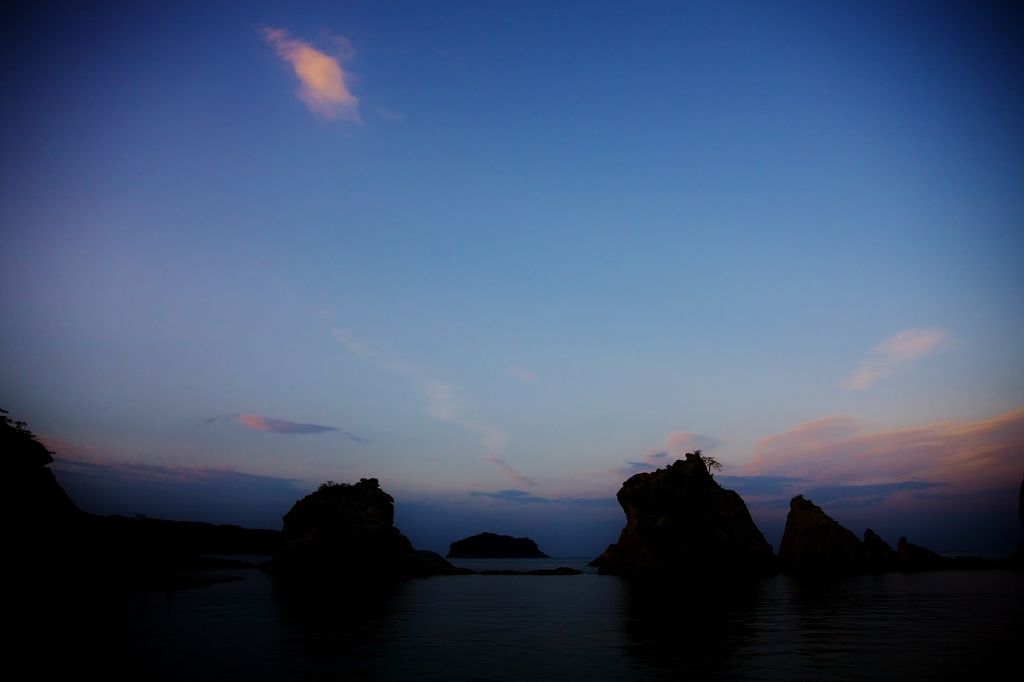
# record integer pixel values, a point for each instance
(494, 546)
(878, 554)
(37, 505)
(348, 530)
(1016, 559)
(916, 558)
(814, 542)
(679, 520)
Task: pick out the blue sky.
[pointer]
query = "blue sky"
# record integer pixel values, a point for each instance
(522, 247)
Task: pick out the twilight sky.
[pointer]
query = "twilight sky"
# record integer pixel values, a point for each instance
(501, 256)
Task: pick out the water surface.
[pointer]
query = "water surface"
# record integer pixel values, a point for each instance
(942, 625)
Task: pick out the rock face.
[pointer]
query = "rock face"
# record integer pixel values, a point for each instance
(37, 503)
(916, 558)
(493, 546)
(1017, 558)
(879, 556)
(679, 520)
(814, 542)
(348, 530)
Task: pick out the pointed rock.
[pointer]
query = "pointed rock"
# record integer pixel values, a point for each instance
(679, 521)
(814, 542)
(1017, 558)
(878, 554)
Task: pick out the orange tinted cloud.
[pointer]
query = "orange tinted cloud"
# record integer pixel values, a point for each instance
(840, 450)
(882, 361)
(323, 86)
(258, 423)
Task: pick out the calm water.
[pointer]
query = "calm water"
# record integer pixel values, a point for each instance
(946, 625)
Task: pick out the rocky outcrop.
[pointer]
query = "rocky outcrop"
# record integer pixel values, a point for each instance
(344, 530)
(679, 521)
(36, 504)
(1016, 559)
(916, 558)
(878, 554)
(494, 546)
(814, 542)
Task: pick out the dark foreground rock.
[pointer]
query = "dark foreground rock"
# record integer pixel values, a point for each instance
(494, 546)
(814, 542)
(70, 571)
(1016, 559)
(344, 530)
(679, 520)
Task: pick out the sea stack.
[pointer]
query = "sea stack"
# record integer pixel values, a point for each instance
(680, 521)
(815, 542)
(494, 546)
(344, 530)
(1017, 558)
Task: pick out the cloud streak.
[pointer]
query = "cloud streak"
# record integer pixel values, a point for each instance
(523, 497)
(839, 450)
(441, 402)
(504, 468)
(883, 360)
(259, 423)
(675, 446)
(322, 81)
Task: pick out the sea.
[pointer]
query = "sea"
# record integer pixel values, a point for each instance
(895, 626)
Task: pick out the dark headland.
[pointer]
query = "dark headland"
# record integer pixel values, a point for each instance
(494, 546)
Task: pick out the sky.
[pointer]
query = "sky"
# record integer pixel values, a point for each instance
(503, 256)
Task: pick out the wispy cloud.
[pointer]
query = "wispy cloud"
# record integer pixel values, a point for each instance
(258, 423)
(504, 468)
(323, 84)
(523, 497)
(675, 446)
(524, 375)
(440, 396)
(840, 450)
(886, 357)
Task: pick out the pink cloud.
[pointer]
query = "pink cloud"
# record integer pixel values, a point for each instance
(841, 450)
(258, 423)
(323, 81)
(510, 472)
(882, 361)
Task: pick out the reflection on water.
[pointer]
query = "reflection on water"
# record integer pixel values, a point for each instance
(693, 628)
(935, 625)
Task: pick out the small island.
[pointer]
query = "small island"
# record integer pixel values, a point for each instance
(494, 546)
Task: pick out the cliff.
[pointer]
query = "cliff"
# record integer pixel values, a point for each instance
(1016, 559)
(348, 530)
(814, 542)
(679, 520)
(493, 546)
